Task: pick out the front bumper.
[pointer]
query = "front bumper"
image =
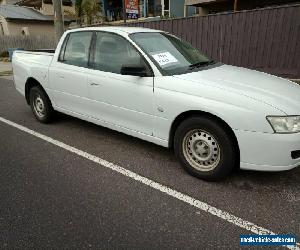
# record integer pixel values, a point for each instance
(267, 152)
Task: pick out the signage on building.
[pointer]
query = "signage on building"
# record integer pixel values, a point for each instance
(132, 9)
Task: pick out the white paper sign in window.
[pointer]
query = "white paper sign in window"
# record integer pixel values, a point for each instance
(164, 58)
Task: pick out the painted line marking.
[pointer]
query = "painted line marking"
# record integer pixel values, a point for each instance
(155, 185)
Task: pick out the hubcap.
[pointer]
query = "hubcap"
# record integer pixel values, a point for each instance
(39, 106)
(201, 150)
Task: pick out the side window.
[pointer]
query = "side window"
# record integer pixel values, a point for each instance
(76, 51)
(113, 51)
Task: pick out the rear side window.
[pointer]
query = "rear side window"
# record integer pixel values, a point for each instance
(76, 51)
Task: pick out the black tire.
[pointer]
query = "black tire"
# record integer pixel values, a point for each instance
(200, 138)
(44, 112)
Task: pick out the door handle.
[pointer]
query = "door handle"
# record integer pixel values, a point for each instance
(94, 84)
(61, 76)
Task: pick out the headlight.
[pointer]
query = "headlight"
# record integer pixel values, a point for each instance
(285, 124)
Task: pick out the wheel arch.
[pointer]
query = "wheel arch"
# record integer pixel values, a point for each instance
(32, 82)
(187, 114)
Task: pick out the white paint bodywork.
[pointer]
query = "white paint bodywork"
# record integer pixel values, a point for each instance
(146, 107)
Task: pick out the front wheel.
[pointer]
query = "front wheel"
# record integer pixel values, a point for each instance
(205, 148)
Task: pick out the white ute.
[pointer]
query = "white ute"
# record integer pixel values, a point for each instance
(151, 85)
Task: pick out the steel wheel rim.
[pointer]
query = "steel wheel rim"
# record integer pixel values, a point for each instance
(201, 150)
(39, 106)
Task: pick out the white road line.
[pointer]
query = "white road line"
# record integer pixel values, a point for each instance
(162, 188)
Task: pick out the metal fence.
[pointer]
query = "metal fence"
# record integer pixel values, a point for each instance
(263, 39)
(27, 42)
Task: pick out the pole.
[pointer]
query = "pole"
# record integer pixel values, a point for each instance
(124, 11)
(58, 19)
(235, 5)
(62, 14)
(145, 8)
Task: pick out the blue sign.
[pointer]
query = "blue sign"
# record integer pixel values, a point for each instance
(267, 240)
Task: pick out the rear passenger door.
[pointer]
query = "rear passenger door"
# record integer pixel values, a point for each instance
(68, 75)
(122, 100)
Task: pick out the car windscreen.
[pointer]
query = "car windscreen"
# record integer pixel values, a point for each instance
(169, 53)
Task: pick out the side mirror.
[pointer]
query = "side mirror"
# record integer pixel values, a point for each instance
(134, 70)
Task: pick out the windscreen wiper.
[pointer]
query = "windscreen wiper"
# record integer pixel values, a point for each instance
(201, 64)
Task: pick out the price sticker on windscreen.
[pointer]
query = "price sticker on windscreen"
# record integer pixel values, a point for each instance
(164, 58)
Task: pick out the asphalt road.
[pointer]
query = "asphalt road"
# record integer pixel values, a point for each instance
(51, 198)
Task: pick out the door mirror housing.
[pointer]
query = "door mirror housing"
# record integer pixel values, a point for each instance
(134, 70)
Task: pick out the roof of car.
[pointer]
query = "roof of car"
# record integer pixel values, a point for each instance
(117, 29)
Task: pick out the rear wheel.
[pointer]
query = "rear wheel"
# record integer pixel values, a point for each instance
(41, 105)
(205, 148)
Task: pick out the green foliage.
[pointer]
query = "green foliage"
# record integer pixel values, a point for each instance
(167, 16)
(4, 54)
(88, 11)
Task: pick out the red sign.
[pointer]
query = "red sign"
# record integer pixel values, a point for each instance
(132, 8)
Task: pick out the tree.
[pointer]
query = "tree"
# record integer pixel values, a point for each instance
(90, 10)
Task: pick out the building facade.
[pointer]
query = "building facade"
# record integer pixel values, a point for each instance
(5, 2)
(46, 7)
(113, 10)
(17, 20)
